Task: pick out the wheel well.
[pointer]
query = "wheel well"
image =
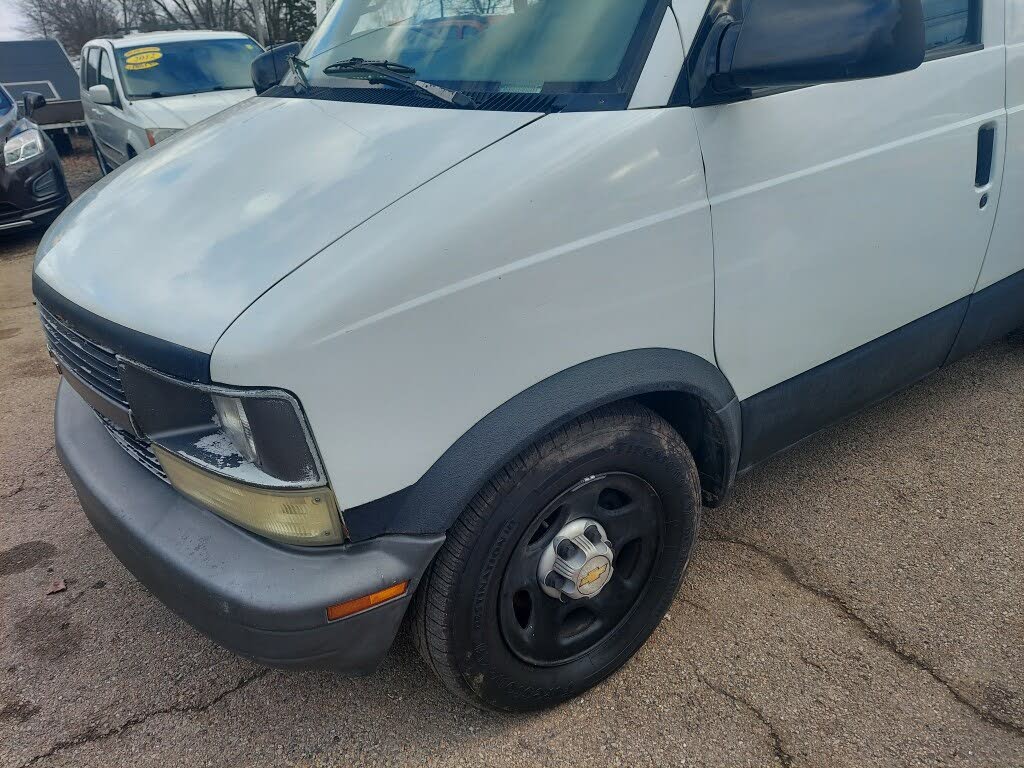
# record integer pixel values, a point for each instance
(704, 433)
(688, 391)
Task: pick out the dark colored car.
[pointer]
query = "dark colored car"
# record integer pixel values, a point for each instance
(32, 186)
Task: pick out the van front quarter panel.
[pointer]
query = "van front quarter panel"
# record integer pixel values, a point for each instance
(577, 237)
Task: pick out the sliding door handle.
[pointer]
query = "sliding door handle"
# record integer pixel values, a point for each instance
(986, 150)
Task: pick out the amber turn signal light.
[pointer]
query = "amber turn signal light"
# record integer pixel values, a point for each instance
(349, 607)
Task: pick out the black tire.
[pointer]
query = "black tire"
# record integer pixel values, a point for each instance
(104, 168)
(62, 143)
(460, 617)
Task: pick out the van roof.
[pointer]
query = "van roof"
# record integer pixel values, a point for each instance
(160, 38)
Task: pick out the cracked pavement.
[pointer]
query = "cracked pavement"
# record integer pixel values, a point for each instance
(857, 602)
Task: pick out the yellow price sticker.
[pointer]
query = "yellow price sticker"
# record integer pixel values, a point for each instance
(146, 57)
(135, 51)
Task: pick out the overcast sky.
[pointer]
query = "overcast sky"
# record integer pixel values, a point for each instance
(8, 21)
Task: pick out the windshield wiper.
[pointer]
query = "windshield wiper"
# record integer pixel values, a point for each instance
(298, 67)
(397, 74)
(362, 65)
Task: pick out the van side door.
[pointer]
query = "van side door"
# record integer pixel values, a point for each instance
(109, 119)
(1004, 266)
(851, 221)
(91, 77)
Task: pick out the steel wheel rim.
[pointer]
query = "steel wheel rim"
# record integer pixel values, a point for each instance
(546, 632)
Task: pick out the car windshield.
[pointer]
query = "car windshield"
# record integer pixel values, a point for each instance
(194, 66)
(516, 46)
(6, 105)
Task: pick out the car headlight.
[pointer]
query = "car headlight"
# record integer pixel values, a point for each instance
(156, 135)
(247, 455)
(307, 518)
(23, 146)
(234, 422)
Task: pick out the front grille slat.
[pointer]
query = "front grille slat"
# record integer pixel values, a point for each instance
(100, 355)
(93, 379)
(138, 449)
(82, 362)
(82, 352)
(97, 367)
(94, 365)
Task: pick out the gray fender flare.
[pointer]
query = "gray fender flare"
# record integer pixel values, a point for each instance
(435, 501)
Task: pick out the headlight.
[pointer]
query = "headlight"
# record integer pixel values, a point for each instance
(231, 411)
(24, 146)
(156, 135)
(257, 437)
(307, 518)
(245, 454)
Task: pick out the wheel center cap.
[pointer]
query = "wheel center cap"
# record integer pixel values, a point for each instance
(577, 563)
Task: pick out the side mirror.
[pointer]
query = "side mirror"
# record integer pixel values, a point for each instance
(791, 43)
(268, 69)
(32, 101)
(100, 94)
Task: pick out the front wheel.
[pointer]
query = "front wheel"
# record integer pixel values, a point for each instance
(62, 143)
(564, 564)
(100, 160)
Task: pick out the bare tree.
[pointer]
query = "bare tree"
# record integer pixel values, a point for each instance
(74, 22)
(35, 18)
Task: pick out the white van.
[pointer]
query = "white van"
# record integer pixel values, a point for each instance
(472, 314)
(140, 89)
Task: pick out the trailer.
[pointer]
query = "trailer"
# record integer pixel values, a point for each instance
(43, 66)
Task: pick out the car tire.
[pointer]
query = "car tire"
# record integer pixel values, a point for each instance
(62, 143)
(485, 617)
(104, 168)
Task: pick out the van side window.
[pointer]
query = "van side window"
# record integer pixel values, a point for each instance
(107, 75)
(92, 67)
(951, 26)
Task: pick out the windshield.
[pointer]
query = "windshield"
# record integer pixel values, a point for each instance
(515, 46)
(6, 105)
(194, 66)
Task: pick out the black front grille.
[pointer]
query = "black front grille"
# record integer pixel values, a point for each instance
(97, 367)
(140, 450)
(94, 365)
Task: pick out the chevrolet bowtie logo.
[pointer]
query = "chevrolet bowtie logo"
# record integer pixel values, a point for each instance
(594, 575)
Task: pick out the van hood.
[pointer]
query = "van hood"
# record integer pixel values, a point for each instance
(189, 109)
(177, 243)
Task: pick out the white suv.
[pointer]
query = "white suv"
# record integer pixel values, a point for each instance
(472, 316)
(140, 89)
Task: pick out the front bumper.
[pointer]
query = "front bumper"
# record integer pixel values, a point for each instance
(12, 217)
(256, 598)
(32, 193)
